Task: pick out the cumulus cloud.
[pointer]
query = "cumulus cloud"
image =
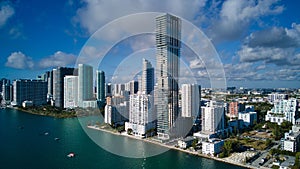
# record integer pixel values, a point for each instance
(58, 59)
(259, 71)
(236, 16)
(276, 37)
(6, 11)
(18, 60)
(94, 14)
(276, 45)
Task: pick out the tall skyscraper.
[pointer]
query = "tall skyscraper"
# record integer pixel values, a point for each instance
(85, 83)
(54, 82)
(190, 99)
(147, 77)
(100, 80)
(168, 34)
(58, 84)
(70, 91)
(7, 90)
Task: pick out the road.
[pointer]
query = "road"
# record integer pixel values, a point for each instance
(263, 155)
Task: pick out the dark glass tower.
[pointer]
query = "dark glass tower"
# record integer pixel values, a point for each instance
(168, 35)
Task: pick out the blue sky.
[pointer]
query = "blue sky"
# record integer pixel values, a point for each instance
(258, 41)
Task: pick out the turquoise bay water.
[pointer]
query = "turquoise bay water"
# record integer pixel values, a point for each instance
(23, 145)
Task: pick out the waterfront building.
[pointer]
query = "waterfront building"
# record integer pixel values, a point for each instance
(186, 142)
(116, 110)
(7, 91)
(213, 118)
(212, 146)
(85, 83)
(50, 86)
(29, 90)
(3, 81)
(70, 91)
(141, 115)
(168, 43)
(284, 110)
(100, 80)
(58, 84)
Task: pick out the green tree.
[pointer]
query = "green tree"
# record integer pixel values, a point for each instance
(297, 161)
(129, 131)
(268, 142)
(194, 143)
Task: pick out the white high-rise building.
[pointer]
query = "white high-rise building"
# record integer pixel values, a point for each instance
(168, 44)
(54, 82)
(213, 118)
(85, 83)
(283, 110)
(141, 115)
(70, 91)
(190, 100)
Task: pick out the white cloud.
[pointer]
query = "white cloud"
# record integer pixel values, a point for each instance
(276, 37)
(18, 60)
(270, 55)
(95, 14)
(57, 59)
(145, 41)
(279, 46)
(6, 11)
(236, 16)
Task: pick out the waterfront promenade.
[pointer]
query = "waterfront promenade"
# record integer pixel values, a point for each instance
(153, 141)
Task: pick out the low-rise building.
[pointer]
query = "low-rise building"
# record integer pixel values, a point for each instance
(186, 142)
(212, 146)
(291, 141)
(27, 103)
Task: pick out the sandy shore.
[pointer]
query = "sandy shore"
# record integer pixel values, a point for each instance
(149, 140)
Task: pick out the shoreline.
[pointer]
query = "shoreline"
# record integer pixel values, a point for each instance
(94, 127)
(41, 114)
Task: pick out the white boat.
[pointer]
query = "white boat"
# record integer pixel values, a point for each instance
(71, 155)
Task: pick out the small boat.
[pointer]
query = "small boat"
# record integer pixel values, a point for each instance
(46, 133)
(56, 138)
(71, 155)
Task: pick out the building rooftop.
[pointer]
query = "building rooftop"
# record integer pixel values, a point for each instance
(290, 161)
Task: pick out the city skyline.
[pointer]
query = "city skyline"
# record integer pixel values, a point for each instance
(258, 47)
